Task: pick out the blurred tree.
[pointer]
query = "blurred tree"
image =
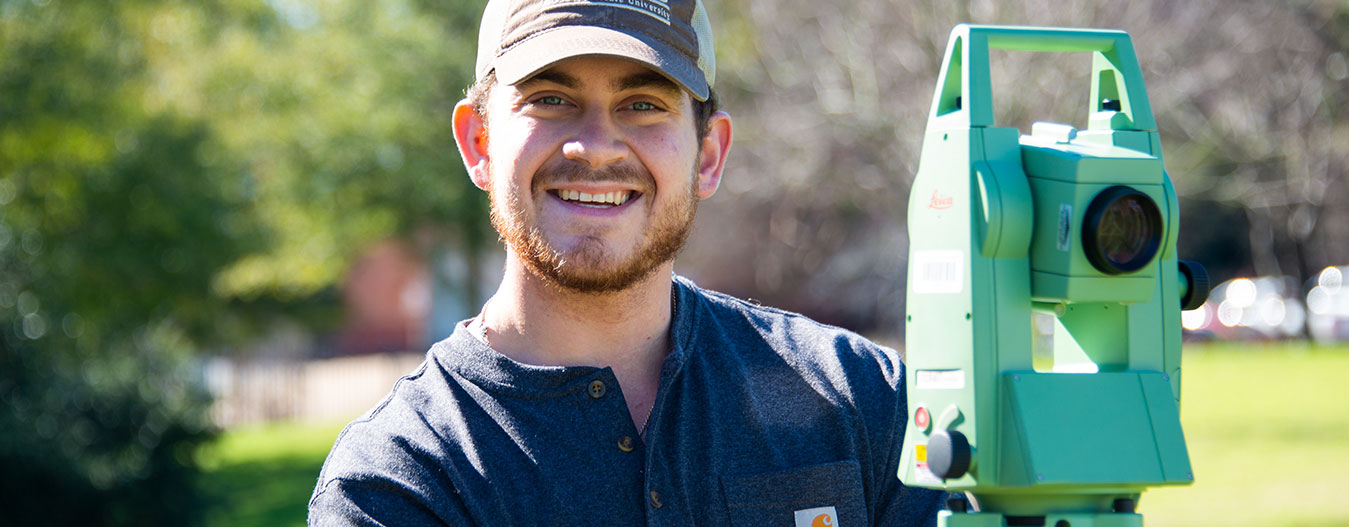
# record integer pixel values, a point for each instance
(175, 176)
(1254, 118)
(339, 114)
(831, 102)
(109, 234)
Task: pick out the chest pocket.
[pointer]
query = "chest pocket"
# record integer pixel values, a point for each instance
(774, 498)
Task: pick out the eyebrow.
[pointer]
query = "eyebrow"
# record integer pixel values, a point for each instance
(553, 76)
(645, 79)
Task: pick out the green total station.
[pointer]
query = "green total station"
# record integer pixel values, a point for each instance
(1042, 332)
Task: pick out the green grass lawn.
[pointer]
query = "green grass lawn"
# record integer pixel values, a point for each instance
(1267, 429)
(263, 475)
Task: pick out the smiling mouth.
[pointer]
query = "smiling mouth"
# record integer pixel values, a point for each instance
(599, 201)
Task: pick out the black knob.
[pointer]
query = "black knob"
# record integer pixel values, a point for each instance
(1198, 289)
(948, 454)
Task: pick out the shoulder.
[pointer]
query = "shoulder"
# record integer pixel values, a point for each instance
(392, 454)
(783, 330)
(835, 355)
(364, 448)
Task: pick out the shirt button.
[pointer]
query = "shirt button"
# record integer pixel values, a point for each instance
(597, 389)
(655, 500)
(625, 444)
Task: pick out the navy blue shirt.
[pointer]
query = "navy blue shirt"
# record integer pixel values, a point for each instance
(761, 416)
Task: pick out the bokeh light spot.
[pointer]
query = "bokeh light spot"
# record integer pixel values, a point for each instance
(1272, 311)
(1318, 300)
(1229, 314)
(1195, 318)
(34, 326)
(1331, 278)
(1241, 293)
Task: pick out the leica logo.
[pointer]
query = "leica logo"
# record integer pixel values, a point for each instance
(940, 202)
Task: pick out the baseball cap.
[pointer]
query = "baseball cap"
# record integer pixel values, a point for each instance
(520, 38)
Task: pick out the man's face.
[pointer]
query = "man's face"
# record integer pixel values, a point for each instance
(594, 168)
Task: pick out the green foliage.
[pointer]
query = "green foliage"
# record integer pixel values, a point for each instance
(109, 233)
(107, 440)
(340, 114)
(175, 176)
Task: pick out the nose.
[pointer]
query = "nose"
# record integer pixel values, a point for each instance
(597, 142)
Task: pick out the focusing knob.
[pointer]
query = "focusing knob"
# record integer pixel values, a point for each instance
(948, 454)
(1197, 290)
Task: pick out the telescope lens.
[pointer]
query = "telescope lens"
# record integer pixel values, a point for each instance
(1122, 230)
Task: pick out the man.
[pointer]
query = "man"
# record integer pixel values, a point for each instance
(596, 387)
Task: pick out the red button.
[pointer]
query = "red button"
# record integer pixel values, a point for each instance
(921, 418)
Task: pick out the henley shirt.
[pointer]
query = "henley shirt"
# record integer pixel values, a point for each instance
(761, 414)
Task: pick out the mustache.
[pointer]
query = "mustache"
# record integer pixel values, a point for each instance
(573, 172)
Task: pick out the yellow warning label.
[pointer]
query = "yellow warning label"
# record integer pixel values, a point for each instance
(920, 452)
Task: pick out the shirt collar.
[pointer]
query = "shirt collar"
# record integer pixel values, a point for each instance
(467, 355)
(470, 357)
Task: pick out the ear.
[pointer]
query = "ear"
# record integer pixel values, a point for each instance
(470, 134)
(713, 154)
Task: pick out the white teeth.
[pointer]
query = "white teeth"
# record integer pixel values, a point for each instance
(615, 198)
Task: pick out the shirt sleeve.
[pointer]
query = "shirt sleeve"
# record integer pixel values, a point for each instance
(376, 475)
(379, 502)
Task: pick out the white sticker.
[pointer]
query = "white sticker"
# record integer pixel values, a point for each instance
(926, 477)
(940, 379)
(1065, 224)
(923, 474)
(817, 517)
(938, 272)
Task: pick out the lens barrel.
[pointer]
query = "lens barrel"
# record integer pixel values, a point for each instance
(1122, 230)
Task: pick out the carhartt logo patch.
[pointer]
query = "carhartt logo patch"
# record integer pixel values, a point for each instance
(658, 9)
(817, 517)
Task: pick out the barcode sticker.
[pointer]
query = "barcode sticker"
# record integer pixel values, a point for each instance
(938, 272)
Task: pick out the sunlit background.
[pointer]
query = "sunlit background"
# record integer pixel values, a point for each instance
(227, 226)
(1275, 308)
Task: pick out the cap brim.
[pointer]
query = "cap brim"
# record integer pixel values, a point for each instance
(527, 58)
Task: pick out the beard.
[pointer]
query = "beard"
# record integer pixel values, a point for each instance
(589, 266)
